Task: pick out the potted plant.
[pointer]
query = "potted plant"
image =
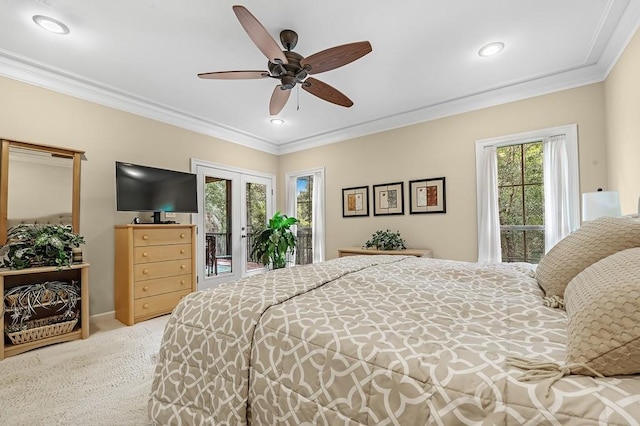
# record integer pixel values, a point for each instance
(271, 244)
(39, 245)
(385, 240)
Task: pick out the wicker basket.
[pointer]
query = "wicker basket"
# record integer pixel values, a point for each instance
(41, 332)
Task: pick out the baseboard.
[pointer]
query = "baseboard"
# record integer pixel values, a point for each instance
(102, 317)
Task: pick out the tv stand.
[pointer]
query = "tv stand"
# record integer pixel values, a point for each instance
(158, 219)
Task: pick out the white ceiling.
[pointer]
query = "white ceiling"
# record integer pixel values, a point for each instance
(142, 56)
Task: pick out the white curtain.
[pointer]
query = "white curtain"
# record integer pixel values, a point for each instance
(317, 209)
(317, 217)
(489, 249)
(560, 215)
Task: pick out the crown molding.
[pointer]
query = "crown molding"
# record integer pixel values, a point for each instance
(622, 35)
(60, 81)
(39, 74)
(491, 97)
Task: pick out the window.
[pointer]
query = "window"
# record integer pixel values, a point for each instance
(521, 202)
(513, 173)
(305, 201)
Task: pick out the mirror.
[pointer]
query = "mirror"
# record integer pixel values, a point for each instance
(38, 181)
(34, 177)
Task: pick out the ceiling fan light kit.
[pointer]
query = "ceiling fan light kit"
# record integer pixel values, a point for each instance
(291, 68)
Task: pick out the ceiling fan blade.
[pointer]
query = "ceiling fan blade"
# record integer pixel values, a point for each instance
(234, 75)
(259, 35)
(278, 100)
(326, 92)
(335, 57)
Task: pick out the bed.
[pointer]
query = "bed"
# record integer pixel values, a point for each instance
(377, 340)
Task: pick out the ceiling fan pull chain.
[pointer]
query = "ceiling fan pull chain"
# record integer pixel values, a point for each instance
(298, 97)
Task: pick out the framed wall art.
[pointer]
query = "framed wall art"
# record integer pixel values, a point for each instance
(355, 201)
(388, 199)
(427, 196)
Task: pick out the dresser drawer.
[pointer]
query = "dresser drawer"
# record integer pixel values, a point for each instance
(157, 286)
(149, 271)
(161, 253)
(162, 303)
(154, 237)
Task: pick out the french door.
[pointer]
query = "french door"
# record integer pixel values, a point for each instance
(232, 205)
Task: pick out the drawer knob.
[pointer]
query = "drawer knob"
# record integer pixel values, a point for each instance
(183, 282)
(182, 251)
(182, 235)
(183, 266)
(145, 271)
(145, 288)
(145, 254)
(145, 306)
(145, 237)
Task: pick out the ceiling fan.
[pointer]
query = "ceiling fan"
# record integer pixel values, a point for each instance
(290, 67)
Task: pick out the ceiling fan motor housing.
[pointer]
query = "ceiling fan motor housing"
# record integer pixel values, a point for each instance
(290, 73)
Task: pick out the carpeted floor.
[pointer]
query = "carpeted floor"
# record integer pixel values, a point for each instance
(103, 380)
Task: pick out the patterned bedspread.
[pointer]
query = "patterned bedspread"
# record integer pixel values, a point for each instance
(376, 340)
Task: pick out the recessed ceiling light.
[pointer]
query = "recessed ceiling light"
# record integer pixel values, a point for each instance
(491, 49)
(277, 121)
(50, 24)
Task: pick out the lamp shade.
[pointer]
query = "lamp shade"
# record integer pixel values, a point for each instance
(600, 203)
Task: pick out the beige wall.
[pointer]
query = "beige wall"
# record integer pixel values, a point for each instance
(622, 94)
(445, 147)
(29, 113)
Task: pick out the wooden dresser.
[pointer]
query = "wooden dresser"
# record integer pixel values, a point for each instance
(354, 251)
(155, 267)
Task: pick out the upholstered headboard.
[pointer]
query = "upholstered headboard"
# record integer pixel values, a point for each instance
(52, 219)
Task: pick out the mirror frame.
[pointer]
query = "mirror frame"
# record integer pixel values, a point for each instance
(73, 154)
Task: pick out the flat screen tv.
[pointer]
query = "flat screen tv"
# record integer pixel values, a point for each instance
(150, 189)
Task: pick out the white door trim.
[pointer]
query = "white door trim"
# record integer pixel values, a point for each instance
(238, 220)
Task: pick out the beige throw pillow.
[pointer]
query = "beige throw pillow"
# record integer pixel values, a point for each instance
(593, 241)
(603, 306)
